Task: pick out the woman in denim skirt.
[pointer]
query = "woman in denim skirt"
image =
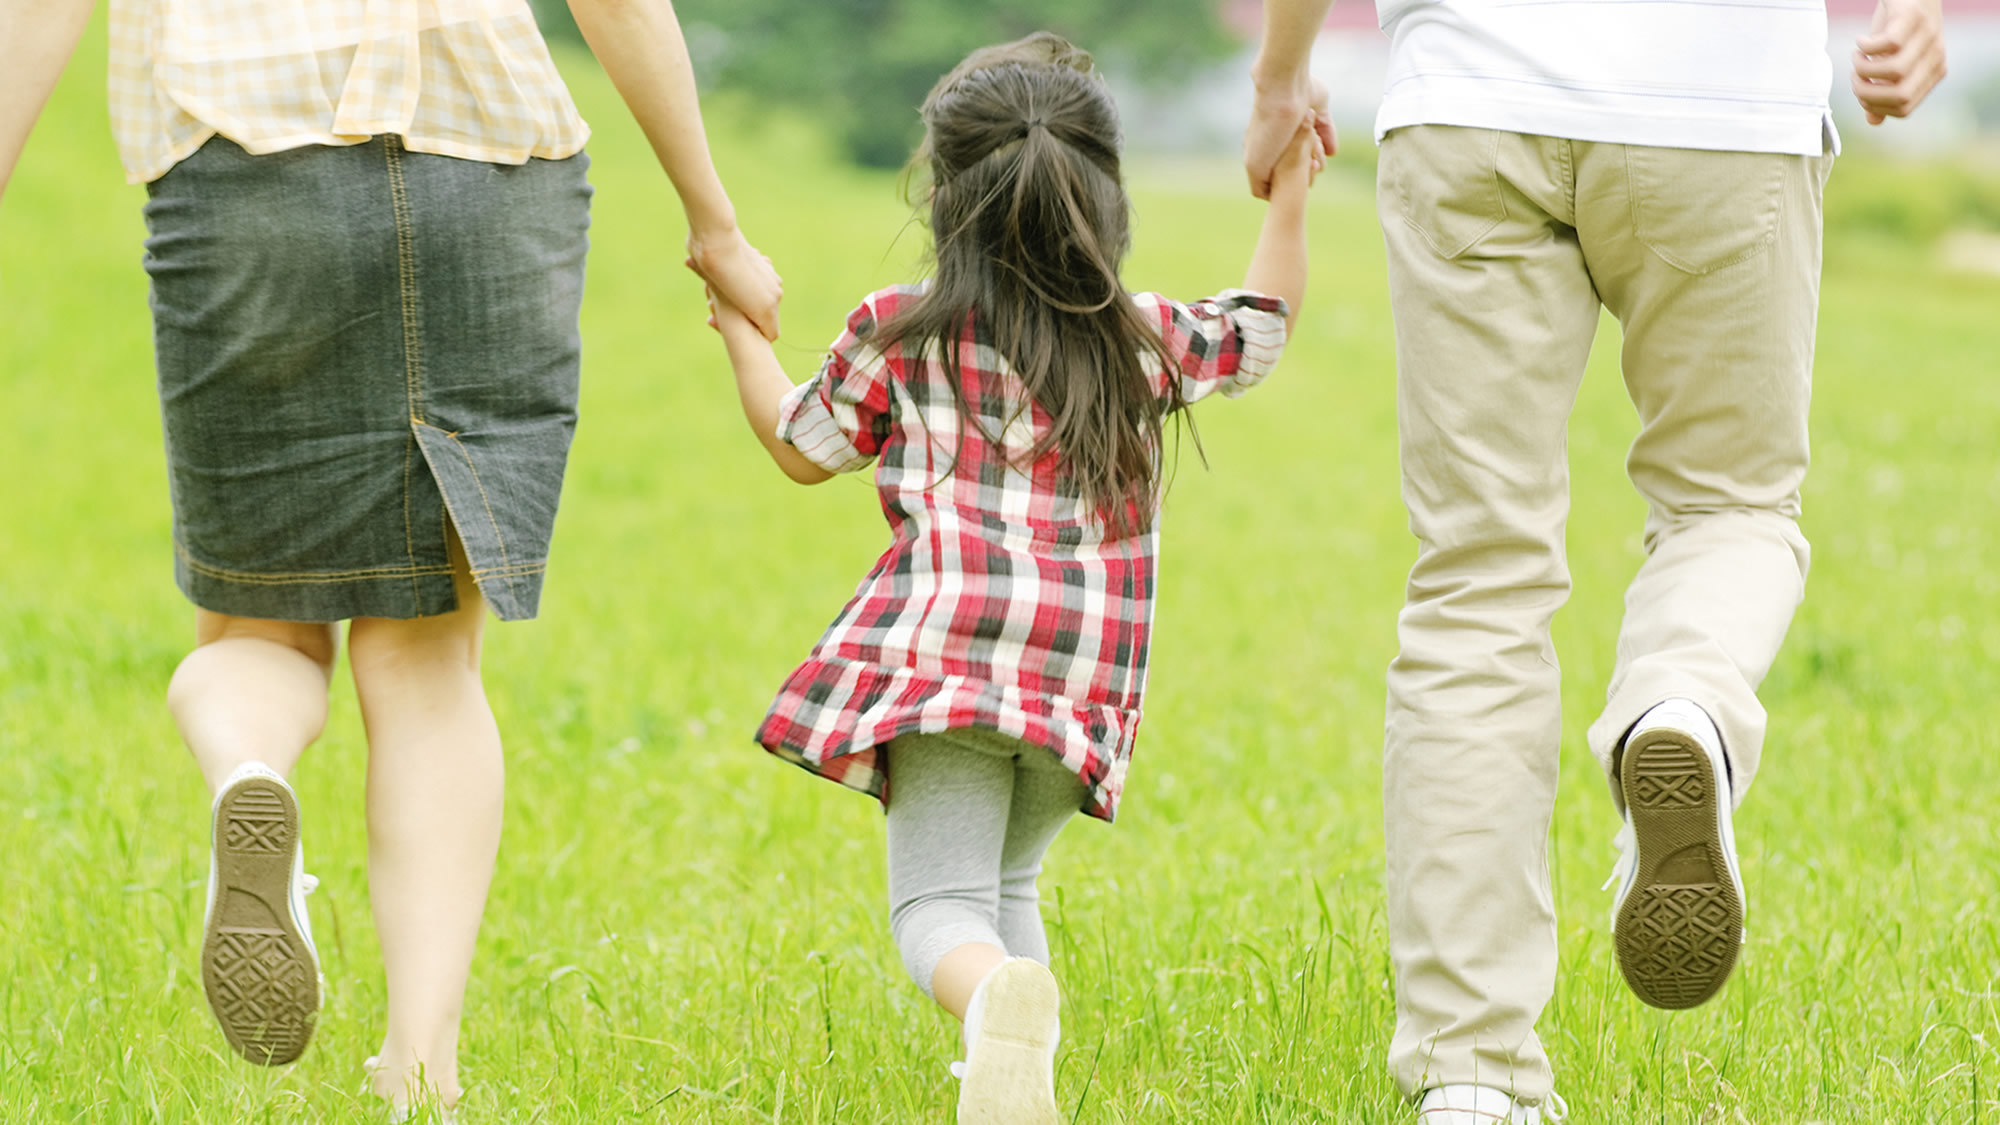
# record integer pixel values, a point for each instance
(366, 248)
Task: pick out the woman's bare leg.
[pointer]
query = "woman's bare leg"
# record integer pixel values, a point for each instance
(435, 781)
(251, 691)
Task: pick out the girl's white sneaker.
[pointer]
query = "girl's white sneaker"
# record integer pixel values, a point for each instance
(1012, 1025)
(258, 965)
(1484, 1105)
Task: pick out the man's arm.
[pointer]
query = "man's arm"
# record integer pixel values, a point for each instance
(37, 38)
(1287, 97)
(1900, 60)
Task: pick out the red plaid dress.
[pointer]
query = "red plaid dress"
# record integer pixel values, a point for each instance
(1000, 603)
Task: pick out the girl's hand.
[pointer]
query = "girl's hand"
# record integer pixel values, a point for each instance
(739, 275)
(1299, 166)
(724, 316)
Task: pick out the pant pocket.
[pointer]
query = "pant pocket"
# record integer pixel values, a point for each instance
(1702, 211)
(1443, 182)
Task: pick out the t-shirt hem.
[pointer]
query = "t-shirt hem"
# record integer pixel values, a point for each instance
(1798, 131)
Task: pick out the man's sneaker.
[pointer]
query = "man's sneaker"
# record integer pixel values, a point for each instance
(1677, 917)
(1012, 1025)
(1484, 1105)
(258, 964)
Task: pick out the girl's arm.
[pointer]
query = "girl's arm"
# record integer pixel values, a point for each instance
(760, 382)
(639, 44)
(37, 38)
(1278, 266)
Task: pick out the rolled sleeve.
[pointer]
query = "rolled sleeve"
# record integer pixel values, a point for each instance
(1223, 344)
(840, 417)
(809, 421)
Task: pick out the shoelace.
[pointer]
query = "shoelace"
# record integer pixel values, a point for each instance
(308, 883)
(1554, 1108)
(958, 1070)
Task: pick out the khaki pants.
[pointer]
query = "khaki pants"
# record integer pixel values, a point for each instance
(1501, 247)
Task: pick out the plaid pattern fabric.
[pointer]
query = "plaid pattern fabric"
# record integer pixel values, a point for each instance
(1000, 603)
(464, 78)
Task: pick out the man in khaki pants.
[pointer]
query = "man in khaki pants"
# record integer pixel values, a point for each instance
(1539, 160)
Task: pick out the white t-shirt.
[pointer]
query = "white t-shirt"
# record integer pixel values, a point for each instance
(1735, 75)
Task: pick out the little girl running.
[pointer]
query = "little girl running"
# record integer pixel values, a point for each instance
(985, 680)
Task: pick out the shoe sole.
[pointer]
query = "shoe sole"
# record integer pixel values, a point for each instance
(1010, 1076)
(1679, 930)
(260, 978)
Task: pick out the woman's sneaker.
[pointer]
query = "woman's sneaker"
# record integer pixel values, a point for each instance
(1484, 1105)
(1012, 1026)
(258, 964)
(1677, 917)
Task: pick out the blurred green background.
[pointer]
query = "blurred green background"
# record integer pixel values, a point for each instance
(685, 930)
(862, 66)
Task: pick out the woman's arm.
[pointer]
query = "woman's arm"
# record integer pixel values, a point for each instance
(639, 44)
(37, 38)
(761, 383)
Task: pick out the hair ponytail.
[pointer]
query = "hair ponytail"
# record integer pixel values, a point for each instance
(1030, 223)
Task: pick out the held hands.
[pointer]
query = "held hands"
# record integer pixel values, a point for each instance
(743, 279)
(1299, 162)
(1900, 60)
(1275, 122)
(727, 317)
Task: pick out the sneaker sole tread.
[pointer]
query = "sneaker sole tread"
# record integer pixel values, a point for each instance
(260, 979)
(1680, 928)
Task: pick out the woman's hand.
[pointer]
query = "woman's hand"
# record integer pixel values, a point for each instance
(743, 278)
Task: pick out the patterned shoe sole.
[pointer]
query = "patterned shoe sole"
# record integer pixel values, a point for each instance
(1681, 926)
(1010, 1078)
(261, 982)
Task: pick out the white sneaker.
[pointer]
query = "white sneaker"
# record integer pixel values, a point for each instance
(1484, 1105)
(1677, 916)
(258, 964)
(1012, 1026)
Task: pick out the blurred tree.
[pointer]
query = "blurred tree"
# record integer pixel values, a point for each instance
(865, 65)
(556, 22)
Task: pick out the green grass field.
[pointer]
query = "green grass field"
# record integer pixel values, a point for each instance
(683, 929)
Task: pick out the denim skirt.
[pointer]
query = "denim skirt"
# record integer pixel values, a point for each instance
(362, 350)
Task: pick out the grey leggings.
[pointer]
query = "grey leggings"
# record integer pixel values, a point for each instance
(970, 814)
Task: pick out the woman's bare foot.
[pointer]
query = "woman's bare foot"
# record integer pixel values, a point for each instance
(411, 1088)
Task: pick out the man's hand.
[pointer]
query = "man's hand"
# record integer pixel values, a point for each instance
(1299, 164)
(1275, 120)
(742, 276)
(1900, 60)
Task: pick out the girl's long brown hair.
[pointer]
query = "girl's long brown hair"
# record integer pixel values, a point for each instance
(1030, 223)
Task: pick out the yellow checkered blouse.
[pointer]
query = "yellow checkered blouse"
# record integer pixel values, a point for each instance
(464, 78)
